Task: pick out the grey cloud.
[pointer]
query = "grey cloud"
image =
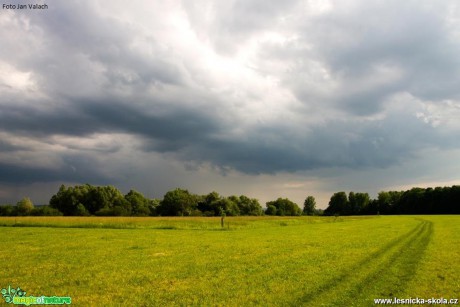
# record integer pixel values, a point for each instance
(356, 42)
(32, 121)
(82, 118)
(344, 143)
(404, 32)
(79, 52)
(93, 80)
(7, 146)
(408, 36)
(193, 135)
(75, 169)
(171, 130)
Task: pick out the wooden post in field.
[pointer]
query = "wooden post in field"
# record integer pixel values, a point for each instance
(222, 217)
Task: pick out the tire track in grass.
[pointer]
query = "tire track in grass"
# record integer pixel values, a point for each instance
(351, 283)
(390, 279)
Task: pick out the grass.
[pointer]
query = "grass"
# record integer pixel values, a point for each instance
(309, 261)
(206, 223)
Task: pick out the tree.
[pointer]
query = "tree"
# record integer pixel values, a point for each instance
(247, 206)
(89, 200)
(24, 206)
(108, 197)
(394, 205)
(309, 206)
(153, 205)
(80, 210)
(67, 200)
(383, 202)
(139, 204)
(250, 206)
(8, 210)
(350, 207)
(357, 202)
(285, 207)
(412, 201)
(271, 210)
(209, 204)
(338, 204)
(371, 208)
(212, 204)
(452, 205)
(229, 207)
(178, 202)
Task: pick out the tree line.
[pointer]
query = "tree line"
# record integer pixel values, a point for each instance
(87, 200)
(439, 200)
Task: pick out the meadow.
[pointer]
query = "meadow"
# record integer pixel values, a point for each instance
(278, 261)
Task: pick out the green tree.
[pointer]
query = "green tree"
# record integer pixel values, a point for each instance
(285, 207)
(80, 210)
(66, 200)
(383, 202)
(8, 210)
(178, 202)
(412, 201)
(229, 207)
(271, 210)
(247, 206)
(24, 206)
(139, 204)
(338, 204)
(309, 206)
(209, 204)
(153, 205)
(108, 197)
(88, 200)
(212, 204)
(389, 202)
(357, 202)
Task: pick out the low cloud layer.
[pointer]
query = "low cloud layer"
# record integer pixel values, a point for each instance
(101, 92)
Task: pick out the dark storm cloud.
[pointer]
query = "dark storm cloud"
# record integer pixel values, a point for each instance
(7, 146)
(76, 169)
(192, 135)
(32, 121)
(82, 118)
(174, 129)
(356, 145)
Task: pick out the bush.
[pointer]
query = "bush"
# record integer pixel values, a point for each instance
(24, 206)
(8, 210)
(45, 211)
(115, 211)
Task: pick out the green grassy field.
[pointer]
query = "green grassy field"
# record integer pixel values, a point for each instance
(310, 261)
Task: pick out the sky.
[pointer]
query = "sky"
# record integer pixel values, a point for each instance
(263, 98)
